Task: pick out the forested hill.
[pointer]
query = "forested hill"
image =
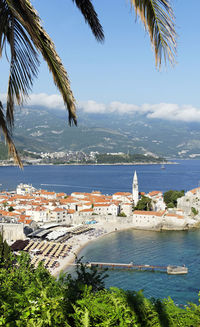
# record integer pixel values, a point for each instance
(127, 158)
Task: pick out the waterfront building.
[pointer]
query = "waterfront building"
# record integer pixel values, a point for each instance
(147, 219)
(135, 192)
(106, 208)
(42, 206)
(23, 189)
(190, 200)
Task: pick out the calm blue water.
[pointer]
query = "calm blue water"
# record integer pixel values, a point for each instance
(107, 179)
(159, 248)
(138, 246)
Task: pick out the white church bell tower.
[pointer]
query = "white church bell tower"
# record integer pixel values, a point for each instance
(135, 193)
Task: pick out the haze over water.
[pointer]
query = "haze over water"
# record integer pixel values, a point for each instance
(143, 247)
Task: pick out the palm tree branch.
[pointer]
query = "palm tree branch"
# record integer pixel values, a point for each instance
(11, 147)
(91, 17)
(158, 19)
(29, 19)
(23, 59)
(3, 22)
(23, 66)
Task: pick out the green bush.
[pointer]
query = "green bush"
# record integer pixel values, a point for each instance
(31, 297)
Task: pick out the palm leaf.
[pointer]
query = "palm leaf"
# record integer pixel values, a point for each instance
(158, 19)
(90, 15)
(11, 147)
(23, 11)
(23, 66)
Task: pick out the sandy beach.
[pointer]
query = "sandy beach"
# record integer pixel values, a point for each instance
(78, 242)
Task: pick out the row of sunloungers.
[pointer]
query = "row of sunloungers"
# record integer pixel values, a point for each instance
(81, 229)
(48, 263)
(49, 249)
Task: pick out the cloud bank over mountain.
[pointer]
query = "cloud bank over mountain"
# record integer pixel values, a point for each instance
(166, 111)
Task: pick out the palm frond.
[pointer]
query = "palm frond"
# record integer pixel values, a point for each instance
(158, 19)
(23, 67)
(11, 147)
(3, 23)
(90, 15)
(23, 11)
(23, 59)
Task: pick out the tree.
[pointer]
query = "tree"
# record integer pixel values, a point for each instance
(171, 196)
(5, 253)
(122, 214)
(144, 204)
(32, 297)
(10, 209)
(194, 211)
(21, 29)
(5, 204)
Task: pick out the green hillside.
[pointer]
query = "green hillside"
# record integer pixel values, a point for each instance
(40, 129)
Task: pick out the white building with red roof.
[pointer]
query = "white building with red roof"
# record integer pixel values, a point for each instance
(59, 215)
(123, 197)
(106, 208)
(158, 203)
(38, 214)
(147, 219)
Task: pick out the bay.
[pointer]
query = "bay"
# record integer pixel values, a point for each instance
(156, 248)
(106, 178)
(132, 245)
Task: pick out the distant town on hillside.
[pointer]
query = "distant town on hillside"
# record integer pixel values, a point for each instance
(80, 157)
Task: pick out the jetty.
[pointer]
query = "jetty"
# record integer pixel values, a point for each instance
(171, 270)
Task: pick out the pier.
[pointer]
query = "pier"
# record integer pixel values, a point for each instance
(171, 270)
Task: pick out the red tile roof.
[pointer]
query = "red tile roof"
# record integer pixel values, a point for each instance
(70, 211)
(149, 213)
(87, 210)
(122, 193)
(174, 215)
(153, 193)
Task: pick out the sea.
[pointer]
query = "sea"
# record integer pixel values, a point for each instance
(140, 247)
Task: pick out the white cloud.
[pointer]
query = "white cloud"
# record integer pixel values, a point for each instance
(52, 101)
(42, 99)
(93, 107)
(166, 111)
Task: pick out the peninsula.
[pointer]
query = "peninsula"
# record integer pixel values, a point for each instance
(53, 227)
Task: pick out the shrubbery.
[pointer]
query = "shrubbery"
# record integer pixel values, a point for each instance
(32, 297)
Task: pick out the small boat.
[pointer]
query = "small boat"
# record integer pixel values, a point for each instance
(162, 167)
(177, 270)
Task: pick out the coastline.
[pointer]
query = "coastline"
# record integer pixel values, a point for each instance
(95, 164)
(80, 241)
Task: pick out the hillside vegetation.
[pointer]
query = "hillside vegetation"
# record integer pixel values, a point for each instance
(31, 297)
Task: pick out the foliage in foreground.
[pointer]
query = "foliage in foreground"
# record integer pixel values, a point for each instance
(32, 297)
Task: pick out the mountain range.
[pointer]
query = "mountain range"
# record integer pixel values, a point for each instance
(40, 129)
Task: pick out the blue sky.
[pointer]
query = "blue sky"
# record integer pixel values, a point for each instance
(122, 69)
